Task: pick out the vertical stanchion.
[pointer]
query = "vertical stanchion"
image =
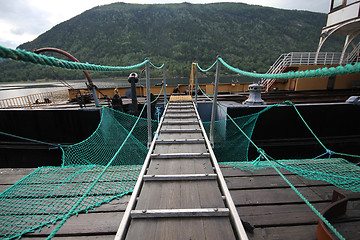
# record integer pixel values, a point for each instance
(196, 84)
(52, 96)
(29, 102)
(213, 112)
(148, 102)
(164, 84)
(96, 100)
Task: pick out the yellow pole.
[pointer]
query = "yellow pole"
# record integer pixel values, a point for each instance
(192, 77)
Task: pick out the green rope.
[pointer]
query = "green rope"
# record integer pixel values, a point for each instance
(208, 69)
(158, 94)
(306, 201)
(312, 132)
(71, 212)
(22, 55)
(307, 125)
(29, 139)
(262, 153)
(156, 66)
(347, 155)
(321, 72)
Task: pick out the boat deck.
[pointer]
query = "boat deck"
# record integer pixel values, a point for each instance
(262, 199)
(180, 176)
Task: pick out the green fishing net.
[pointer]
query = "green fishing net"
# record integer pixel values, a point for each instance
(336, 171)
(95, 171)
(231, 149)
(229, 143)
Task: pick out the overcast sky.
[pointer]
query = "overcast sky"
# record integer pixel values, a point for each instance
(23, 20)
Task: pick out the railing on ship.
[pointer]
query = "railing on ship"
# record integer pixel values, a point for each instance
(354, 55)
(33, 101)
(300, 58)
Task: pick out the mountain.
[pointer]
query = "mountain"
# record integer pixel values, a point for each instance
(246, 36)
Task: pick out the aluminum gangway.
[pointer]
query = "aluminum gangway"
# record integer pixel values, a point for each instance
(181, 192)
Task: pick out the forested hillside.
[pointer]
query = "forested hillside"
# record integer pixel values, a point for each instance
(248, 37)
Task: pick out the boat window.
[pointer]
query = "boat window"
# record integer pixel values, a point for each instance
(337, 3)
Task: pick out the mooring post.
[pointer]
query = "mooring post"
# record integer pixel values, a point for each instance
(213, 112)
(164, 84)
(196, 84)
(148, 102)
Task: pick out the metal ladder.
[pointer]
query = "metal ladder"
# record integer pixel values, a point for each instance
(181, 192)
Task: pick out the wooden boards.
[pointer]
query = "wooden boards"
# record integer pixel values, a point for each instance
(180, 178)
(264, 200)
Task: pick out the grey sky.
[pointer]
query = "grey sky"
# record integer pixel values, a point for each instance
(24, 20)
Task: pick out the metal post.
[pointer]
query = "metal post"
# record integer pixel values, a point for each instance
(148, 102)
(348, 39)
(213, 112)
(196, 85)
(96, 100)
(164, 85)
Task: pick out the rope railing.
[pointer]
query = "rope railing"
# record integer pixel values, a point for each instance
(158, 68)
(208, 69)
(321, 72)
(25, 56)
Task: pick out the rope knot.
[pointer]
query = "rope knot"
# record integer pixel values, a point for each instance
(328, 151)
(261, 151)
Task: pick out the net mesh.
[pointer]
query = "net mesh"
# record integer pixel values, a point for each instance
(231, 148)
(94, 171)
(336, 171)
(231, 145)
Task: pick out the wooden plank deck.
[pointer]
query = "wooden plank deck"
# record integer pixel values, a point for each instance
(262, 199)
(275, 218)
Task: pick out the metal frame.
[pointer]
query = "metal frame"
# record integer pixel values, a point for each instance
(180, 141)
(179, 107)
(164, 84)
(180, 104)
(180, 177)
(214, 105)
(180, 155)
(179, 111)
(234, 216)
(180, 123)
(178, 116)
(168, 213)
(148, 102)
(190, 130)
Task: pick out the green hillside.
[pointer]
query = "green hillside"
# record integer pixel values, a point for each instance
(246, 36)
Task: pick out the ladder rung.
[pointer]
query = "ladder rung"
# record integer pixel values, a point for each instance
(168, 213)
(180, 141)
(180, 116)
(180, 130)
(179, 111)
(180, 155)
(182, 106)
(180, 122)
(180, 177)
(186, 103)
